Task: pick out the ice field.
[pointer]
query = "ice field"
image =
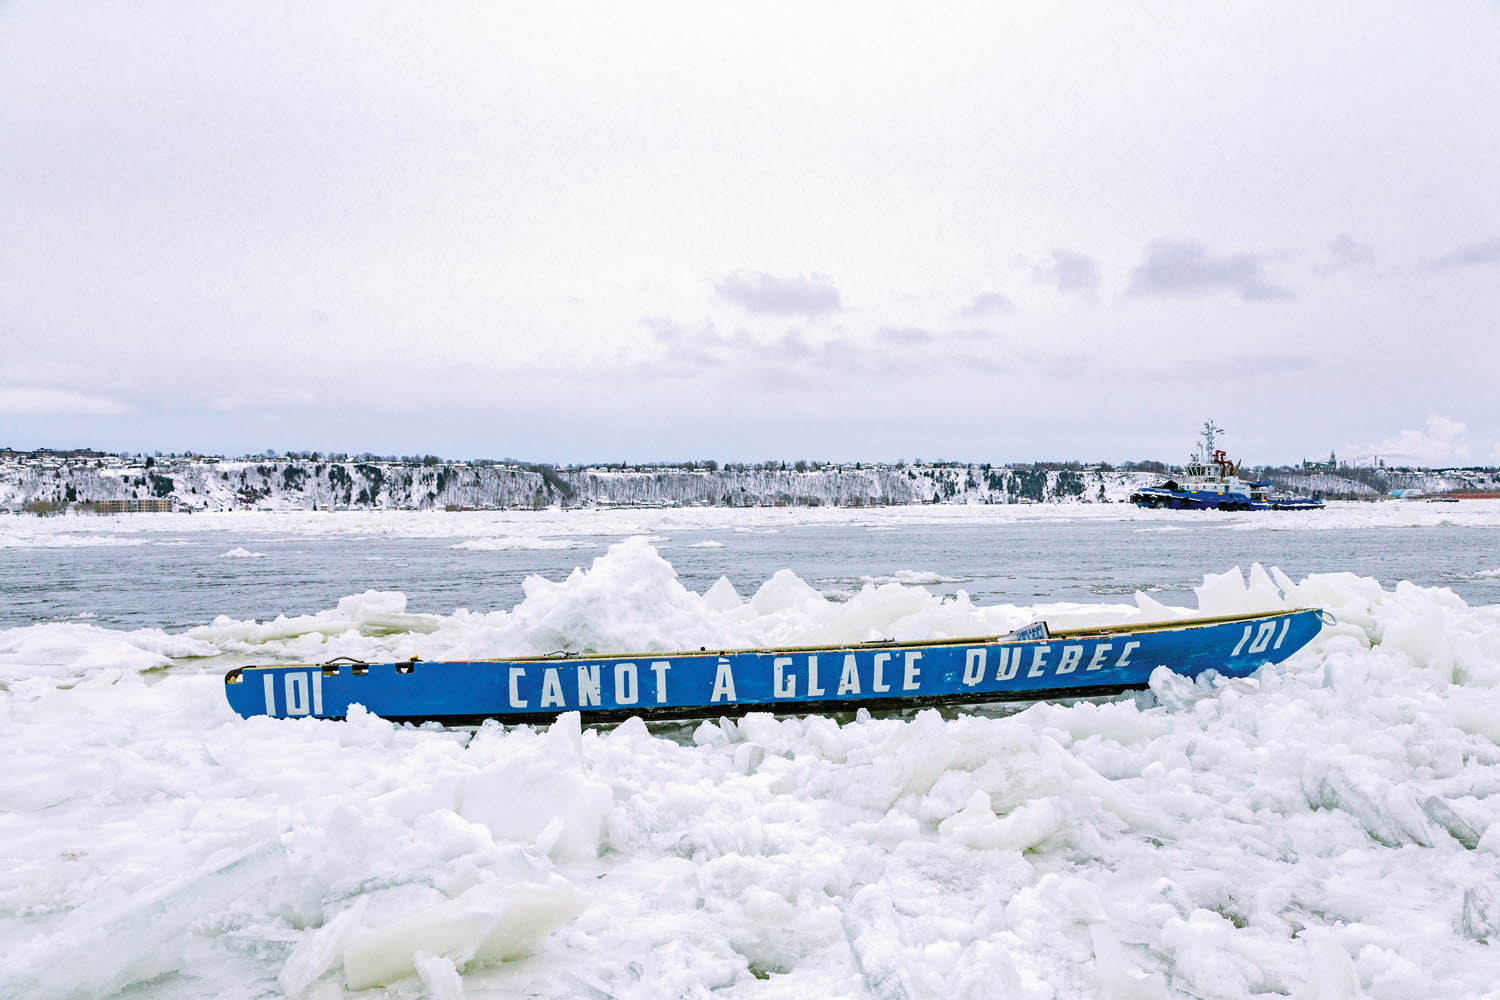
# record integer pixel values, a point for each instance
(1328, 828)
(556, 528)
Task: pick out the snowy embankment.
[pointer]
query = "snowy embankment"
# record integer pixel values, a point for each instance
(384, 486)
(1328, 828)
(294, 485)
(305, 485)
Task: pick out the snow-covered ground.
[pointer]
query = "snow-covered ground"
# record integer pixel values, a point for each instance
(1329, 828)
(309, 485)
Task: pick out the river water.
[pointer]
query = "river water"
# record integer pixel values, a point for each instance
(176, 571)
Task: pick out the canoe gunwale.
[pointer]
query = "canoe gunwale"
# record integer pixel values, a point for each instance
(234, 676)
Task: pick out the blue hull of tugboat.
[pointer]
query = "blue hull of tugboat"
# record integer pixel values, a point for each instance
(1028, 664)
(1156, 497)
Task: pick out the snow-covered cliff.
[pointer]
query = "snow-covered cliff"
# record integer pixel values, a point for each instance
(208, 484)
(201, 485)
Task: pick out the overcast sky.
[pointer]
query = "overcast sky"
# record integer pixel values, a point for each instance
(567, 232)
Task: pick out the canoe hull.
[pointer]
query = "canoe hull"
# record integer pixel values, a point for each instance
(1075, 663)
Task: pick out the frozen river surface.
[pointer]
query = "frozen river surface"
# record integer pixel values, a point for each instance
(1327, 828)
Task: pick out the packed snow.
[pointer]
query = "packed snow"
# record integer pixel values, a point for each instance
(1327, 828)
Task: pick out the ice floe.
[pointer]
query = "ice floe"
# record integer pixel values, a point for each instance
(1329, 827)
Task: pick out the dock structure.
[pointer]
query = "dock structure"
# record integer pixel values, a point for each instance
(152, 505)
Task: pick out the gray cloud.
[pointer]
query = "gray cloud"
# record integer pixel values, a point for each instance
(664, 330)
(1347, 252)
(1246, 366)
(684, 358)
(768, 295)
(687, 349)
(669, 331)
(1073, 273)
(904, 336)
(793, 359)
(1185, 268)
(976, 334)
(1473, 255)
(30, 400)
(988, 304)
(792, 346)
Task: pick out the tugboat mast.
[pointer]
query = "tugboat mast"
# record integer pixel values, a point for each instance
(1208, 435)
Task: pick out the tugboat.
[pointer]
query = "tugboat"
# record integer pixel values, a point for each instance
(1212, 482)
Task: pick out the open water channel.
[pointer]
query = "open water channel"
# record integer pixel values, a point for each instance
(174, 571)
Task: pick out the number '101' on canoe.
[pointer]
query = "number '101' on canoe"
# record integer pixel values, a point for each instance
(1030, 663)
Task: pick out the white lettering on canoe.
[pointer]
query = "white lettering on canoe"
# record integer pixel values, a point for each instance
(1097, 660)
(1241, 644)
(1286, 623)
(1039, 656)
(974, 664)
(627, 684)
(723, 683)
(552, 695)
(877, 683)
(1070, 657)
(1124, 660)
(516, 673)
(1010, 662)
(913, 675)
(1263, 637)
(660, 668)
(296, 687)
(296, 693)
(783, 685)
(588, 686)
(849, 678)
(813, 690)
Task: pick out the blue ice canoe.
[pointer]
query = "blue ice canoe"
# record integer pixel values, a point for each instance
(1029, 664)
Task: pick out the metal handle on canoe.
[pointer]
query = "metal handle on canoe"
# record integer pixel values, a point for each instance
(1326, 618)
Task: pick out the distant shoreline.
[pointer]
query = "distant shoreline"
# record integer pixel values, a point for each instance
(52, 482)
